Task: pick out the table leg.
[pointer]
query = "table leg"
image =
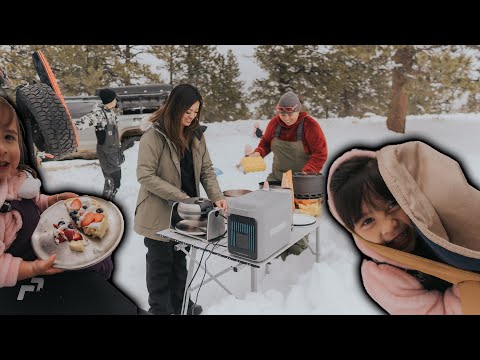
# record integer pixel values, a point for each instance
(255, 285)
(191, 267)
(317, 244)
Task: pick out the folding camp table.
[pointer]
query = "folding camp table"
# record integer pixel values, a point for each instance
(220, 248)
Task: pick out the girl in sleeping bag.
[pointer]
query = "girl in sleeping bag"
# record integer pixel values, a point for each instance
(415, 199)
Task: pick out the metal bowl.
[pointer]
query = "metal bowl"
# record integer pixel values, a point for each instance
(236, 193)
(271, 184)
(195, 208)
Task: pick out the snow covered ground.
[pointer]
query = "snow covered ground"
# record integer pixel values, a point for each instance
(298, 285)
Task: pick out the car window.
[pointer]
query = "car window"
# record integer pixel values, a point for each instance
(78, 109)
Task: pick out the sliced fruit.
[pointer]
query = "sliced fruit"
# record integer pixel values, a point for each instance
(76, 204)
(77, 237)
(98, 217)
(69, 234)
(89, 218)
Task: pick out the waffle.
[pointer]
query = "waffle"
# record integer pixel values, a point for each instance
(253, 164)
(88, 215)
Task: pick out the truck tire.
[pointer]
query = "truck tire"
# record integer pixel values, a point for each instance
(50, 125)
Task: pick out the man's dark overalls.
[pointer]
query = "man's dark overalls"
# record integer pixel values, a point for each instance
(110, 155)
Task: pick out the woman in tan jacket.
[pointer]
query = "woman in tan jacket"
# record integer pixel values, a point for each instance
(172, 160)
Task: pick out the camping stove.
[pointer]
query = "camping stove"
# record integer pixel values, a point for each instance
(259, 223)
(197, 218)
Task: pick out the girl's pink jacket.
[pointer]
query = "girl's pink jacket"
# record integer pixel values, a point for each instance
(22, 185)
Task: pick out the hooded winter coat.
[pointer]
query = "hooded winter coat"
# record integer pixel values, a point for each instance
(432, 190)
(20, 186)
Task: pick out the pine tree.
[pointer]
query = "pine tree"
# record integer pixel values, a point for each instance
(80, 69)
(359, 81)
(171, 57)
(298, 68)
(227, 99)
(17, 62)
(432, 77)
(333, 80)
(215, 76)
(127, 68)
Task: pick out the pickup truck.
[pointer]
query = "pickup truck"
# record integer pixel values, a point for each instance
(134, 103)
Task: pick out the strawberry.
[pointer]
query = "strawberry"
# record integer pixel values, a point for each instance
(77, 236)
(76, 204)
(55, 226)
(98, 217)
(69, 234)
(89, 218)
(61, 236)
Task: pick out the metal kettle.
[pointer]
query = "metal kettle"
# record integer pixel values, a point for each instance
(308, 185)
(196, 208)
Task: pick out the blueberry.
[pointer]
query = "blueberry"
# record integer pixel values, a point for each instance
(70, 226)
(74, 218)
(60, 223)
(85, 207)
(99, 210)
(73, 213)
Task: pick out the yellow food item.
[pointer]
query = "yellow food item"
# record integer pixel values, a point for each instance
(287, 182)
(97, 229)
(252, 164)
(76, 246)
(88, 215)
(312, 208)
(306, 201)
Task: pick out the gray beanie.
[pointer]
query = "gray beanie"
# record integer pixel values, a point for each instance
(290, 99)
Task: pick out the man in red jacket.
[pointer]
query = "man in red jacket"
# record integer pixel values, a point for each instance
(297, 143)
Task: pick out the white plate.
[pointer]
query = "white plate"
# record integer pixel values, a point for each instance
(190, 227)
(44, 244)
(303, 220)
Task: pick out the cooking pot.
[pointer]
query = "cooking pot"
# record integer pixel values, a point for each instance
(308, 185)
(236, 192)
(195, 208)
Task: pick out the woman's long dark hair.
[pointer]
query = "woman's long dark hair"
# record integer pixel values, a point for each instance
(26, 160)
(355, 182)
(170, 115)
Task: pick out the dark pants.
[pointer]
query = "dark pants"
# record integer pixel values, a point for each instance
(104, 268)
(166, 277)
(112, 183)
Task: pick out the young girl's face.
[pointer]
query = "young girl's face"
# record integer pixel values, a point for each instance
(9, 146)
(190, 114)
(387, 224)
